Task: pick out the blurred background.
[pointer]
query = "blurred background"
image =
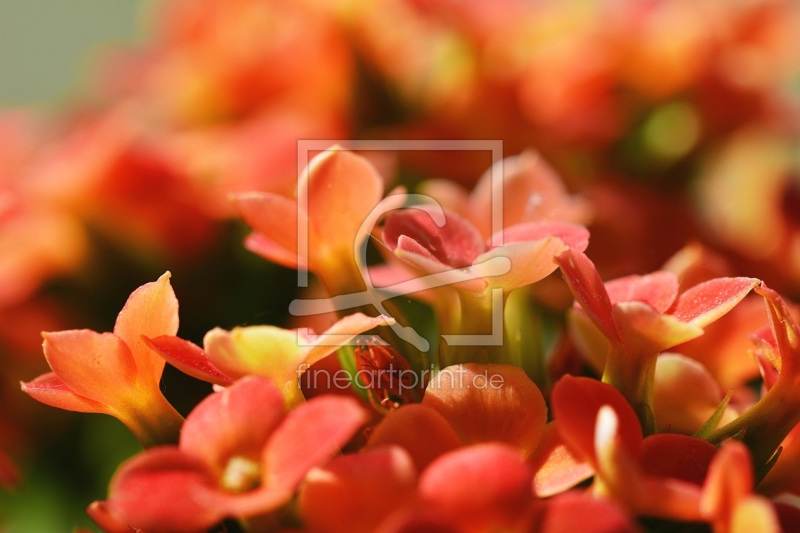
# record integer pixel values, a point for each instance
(124, 125)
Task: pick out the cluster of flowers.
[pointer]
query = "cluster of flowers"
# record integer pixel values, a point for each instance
(675, 121)
(471, 446)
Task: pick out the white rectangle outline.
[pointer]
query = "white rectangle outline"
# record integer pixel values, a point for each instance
(495, 146)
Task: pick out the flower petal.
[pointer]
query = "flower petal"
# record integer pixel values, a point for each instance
(530, 262)
(98, 366)
(342, 332)
(589, 290)
(485, 403)
(237, 421)
(456, 243)
(785, 331)
(355, 493)
(419, 430)
(274, 221)
(576, 402)
(641, 324)
(102, 515)
(729, 481)
(486, 487)
(658, 290)
(343, 188)
(266, 351)
(556, 468)
(572, 235)
(50, 390)
(706, 302)
(188, 358)
(577, 511)
(152, 311)
(165, 490)
(310, 435)
(672, 455)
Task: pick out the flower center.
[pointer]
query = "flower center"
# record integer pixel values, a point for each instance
(241, 475)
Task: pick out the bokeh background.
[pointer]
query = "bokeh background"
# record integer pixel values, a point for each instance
(124, 125)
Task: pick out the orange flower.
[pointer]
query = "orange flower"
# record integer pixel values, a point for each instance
(116, 373)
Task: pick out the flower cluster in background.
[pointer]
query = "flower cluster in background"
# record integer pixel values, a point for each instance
(636, 286)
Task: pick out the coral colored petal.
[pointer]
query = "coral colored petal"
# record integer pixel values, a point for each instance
(341, 333)
(556, 468)
(237, 421)
(98, 366)
(419, 430)
(530, 262)
(50, 390)
(152, 311)
(343, 188)
(705, 303)
(784, 329)
(576, 511)
(309, 436)
(572, 235)
(729, 481)
(165, 490)
(418, 519)
(104, 517)
(641, 324)
(658, 290)
(672, 455)
(188, 358)
(355, 493)
(576, 402)
(274, 221)
(485, 403)
(265, 247)
(456, 243)
(485, 487)
(589, 291)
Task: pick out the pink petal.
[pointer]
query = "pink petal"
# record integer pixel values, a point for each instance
(188, 358)
(456, 244)
(355, 493)
(530, 262)
(98, 366)
(237, 421)
(412, 253)
(419, 430)
(576, 511)
(164, 489)
(572, 235)
(658, 290)
(556, 468)
(485, 403)
(705, 303)
(672, 455)
(342, 332)
(152, 311)
(486, 487)
(50, 390)
(274, 221)
(576, 403)
(309, 436)
(589, 291)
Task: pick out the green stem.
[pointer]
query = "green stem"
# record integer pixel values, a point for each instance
(477, 315)
(764, 426)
